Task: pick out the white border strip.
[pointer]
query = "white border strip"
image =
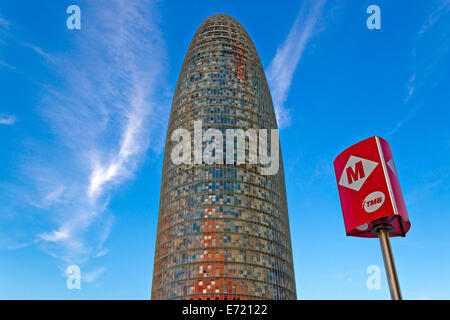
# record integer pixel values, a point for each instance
(388, 181)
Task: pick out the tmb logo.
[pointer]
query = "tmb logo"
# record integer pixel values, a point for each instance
(373, 201)
(356, 172)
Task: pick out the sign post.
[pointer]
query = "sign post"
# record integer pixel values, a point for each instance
(371, 199)
(389, 264)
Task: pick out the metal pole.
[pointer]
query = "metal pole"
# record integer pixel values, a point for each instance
(389, 264)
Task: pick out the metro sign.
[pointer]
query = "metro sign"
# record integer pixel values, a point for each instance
(369, 189)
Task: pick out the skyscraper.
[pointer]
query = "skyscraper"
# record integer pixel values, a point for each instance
(223, 229)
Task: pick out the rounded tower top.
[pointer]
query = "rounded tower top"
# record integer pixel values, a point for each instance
(223, 26)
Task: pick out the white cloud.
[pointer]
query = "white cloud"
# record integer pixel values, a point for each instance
(431, 59)
(7, 119)
(55, 236)
(107, 110)
(289, 53)
(4, 24)
(40, 52)
(54, 196)
(425, 61)
(411, 87)
(101, 253)
(93, 275)
(434, 16)
(6, 65)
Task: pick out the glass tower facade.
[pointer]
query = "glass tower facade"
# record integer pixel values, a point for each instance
(223, 230)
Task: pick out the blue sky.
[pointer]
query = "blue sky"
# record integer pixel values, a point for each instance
(83, 116)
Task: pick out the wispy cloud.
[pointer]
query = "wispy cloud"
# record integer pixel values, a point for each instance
(4, 64)
(434, 16)
(4, 24)
(41, 52)
(425, 61)
(92, 275)
(109, 102)
(430, 48)
(5, 29)
(289, 53)
(101, 253)
(7, 119)
(107, 110)
(353, 278)
(411, 87)
(9, 35)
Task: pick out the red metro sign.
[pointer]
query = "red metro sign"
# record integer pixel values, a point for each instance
(369, 189)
